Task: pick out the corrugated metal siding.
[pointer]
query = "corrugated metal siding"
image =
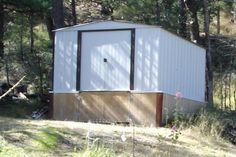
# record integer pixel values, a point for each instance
(181, 67)
(65, 62)
(146, 59)
(163, 61)
(114, 74)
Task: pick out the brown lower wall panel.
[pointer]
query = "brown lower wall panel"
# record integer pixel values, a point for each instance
(106, 106)
(183, 105)
(65, 106)
(145, 109)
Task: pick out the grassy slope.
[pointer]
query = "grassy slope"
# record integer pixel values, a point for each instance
(20, 137)
(227, 26)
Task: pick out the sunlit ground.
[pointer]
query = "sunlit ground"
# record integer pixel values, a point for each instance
(59, 138)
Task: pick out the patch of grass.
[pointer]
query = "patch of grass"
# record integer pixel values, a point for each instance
(97, 151)
(209, 121)
(46, 139)
(10, 150)
(7, 149)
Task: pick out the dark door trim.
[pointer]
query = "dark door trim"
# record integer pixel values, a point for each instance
(132, 59)
(78, 71)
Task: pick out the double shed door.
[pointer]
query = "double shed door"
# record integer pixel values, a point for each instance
(105, 60)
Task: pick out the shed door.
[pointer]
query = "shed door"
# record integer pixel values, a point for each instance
(105, 60)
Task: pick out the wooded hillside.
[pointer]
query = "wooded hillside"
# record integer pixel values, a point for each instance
(26, 37)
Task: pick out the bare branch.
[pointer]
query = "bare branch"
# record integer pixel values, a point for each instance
(9, 90)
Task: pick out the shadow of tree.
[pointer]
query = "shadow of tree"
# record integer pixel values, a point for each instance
(35, 138)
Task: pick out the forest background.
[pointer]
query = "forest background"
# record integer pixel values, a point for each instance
(26, 36)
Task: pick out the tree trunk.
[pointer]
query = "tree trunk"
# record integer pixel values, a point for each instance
(230, 78)
(73, 9)
(235, 11)
(229, 88)
(209, 72)
(195, 28)
(182, 19)
(7, 71)
(221, 86)
(234, 99)
(218, 21)
(40, 75)
(158, 12)
(31, 22)
(21, 39)
(1, 29)
(193, 7)
(225, 92)
(49, 24)
(57, 14)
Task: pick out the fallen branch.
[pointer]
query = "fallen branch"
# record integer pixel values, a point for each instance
(9, 90)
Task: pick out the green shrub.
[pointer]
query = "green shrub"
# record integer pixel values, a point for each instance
(209, 121)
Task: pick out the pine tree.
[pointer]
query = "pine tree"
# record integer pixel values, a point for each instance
(57, 14)
(209, 91)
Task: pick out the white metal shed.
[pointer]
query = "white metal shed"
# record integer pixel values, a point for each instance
(112, 56)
